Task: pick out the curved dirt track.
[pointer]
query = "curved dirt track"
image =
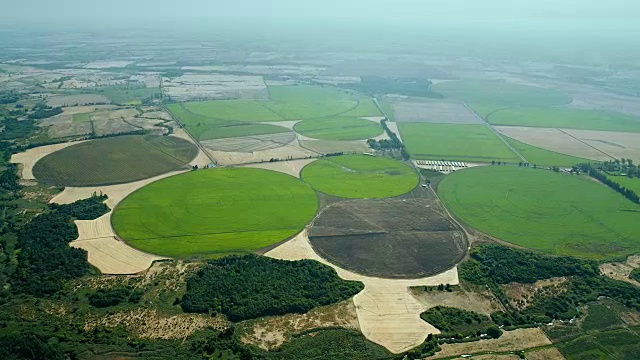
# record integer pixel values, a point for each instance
(388, 314)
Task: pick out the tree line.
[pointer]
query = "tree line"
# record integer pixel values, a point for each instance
(595, 173)
(393, 143)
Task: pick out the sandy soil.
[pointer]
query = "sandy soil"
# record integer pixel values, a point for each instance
(250, 144)
(621, 271)
(287, 124)
(271, 332)
(444, 112)
(112, 256)
(106, 64)
(388, 314)
(292, 167)
(293, 150)
(215, 86)
(480, 303)
(30, 157)
(509, 341)
(616, 144)
(329, 146)
(552, 139)
(545, 354)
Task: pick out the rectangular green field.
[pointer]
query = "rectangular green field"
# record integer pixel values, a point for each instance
(243, 110)
(544, 157)
(473, 143)
(565, 118)
(629, 183)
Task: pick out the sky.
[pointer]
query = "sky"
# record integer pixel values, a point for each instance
(454, 12)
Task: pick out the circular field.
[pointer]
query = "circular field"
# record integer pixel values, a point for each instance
(404, 237)
(340, 128)
(360, 176)
(501, 93)
(215, 212)
(114, 160)
(543, 210)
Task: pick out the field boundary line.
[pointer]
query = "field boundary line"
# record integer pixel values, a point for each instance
(198, 144)
(496, 133)
(582, 142)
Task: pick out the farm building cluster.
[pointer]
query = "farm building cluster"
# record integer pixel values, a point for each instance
(441, 165)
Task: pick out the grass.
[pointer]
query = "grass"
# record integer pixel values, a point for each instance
(204, 128)
(360, 176)
(128, 95)
(474, 143)
(501, 93)
(614, 344)
(240, 110)
(566, 118)
(599, 317)
(544, 157)
(114, 160)
(215, 212)
(542, 210)
(629, 183)
(339, 128)
(83, 117)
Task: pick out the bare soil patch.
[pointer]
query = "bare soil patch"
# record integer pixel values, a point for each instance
(77, 100)
(30, 157)
(329, 146)
(621, 271)
(545, 354)
(509, 341)
(483, 303)
(250, 144)
(615, 144)
(521, 295)
(292, 167)
(387, 312)
(269, 333)
(409, 236)
(215, 86)
(554, 140)
(446, 112)
(290, 151)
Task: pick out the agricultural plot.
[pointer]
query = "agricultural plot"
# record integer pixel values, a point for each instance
(339, 128)
(214, 86)
(250, 143)
(544, 210)
(567, 118)
(77, 100)
(501, 93)
(130, 95)
(332, 147)
(433, 111)
(469, 143)
(617, 344)
(403, 237)
(614, 144)
(114, 160)
(551, 139)
(544, 157)
(360, 176)
(215, 212)
(629, 183)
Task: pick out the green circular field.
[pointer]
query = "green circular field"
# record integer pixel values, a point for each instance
(501, 93)
(215, 212)
(115, 160)
(539, 209)
(360, 176)
(340, 128)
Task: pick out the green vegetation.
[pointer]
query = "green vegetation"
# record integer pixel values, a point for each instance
(543, 157)
(459, 323)
(408, 87)
(360, 176)
(114, 160)
(615, 344)
(251, 286)
(595, 171)
(339, 128)
(215, 212)
(501, 93)
(632, 184)
(544, 210)
(454, 142)
(41, 111)
(82, 117)
(16, 129)
(635, 274)
(238, 110)
(332, 344)
(130, 94)
(554, 117)
(392, 145)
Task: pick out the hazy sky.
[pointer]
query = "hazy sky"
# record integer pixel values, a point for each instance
(456, 12)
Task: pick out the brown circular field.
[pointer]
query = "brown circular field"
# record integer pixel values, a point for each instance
(403, 237)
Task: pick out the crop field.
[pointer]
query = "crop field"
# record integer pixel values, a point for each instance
(616, 344)
(454, 142)
(250, 143)
(77, 100)
(565, 118)
(360, 176)
(544, 157)
(403, 237)
(332, 147)
(339, 128)
(114, 160)
(501, 93)
(214, 212)
(629, 183)
(434, 111)
(544, 210)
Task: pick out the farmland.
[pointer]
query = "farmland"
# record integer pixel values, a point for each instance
(339, 128)
(544, 210)
(544, 157)
(403, 237)
(433, 111)
(501, 93)
(565, 118)
(114, 160)
(360, 176)
(629, 183)
(454, 142)
(215, 212)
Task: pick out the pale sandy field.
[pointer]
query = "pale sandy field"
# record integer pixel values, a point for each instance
(552, 139)
(545, 354)
(250, 144)
(293, 150)
(620, 271)
(387, 312)
(615, 144)
(215, 86)
(394, 128)
(106, 64)
(329, 146)
(291, 167)
(518, 339)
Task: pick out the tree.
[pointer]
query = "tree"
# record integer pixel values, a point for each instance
(494, 332)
